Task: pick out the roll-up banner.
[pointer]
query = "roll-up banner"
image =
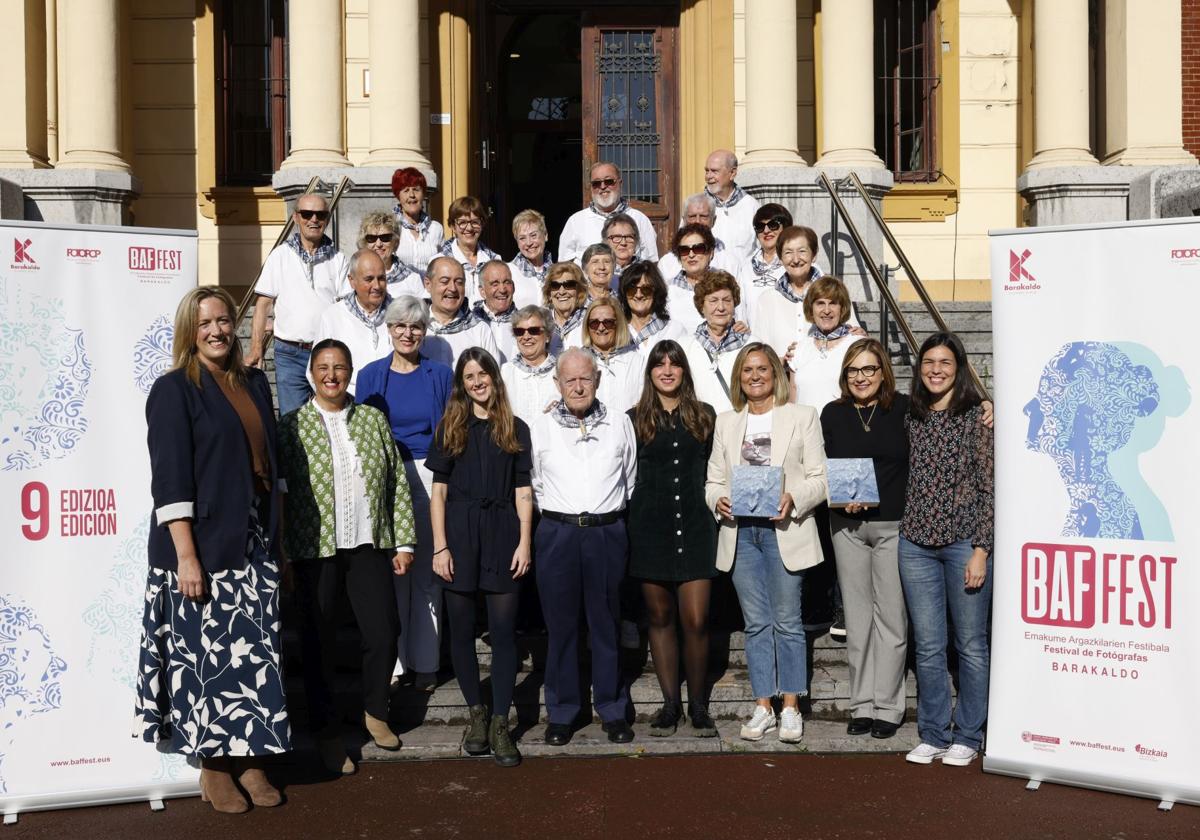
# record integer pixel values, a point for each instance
(86, 317)
(1095, 630)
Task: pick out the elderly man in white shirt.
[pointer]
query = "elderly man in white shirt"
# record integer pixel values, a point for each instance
(584, 469)
(734, 222)
(453, 327)
(586, 227)
(357, 320)
(299, 279)
(700, 209)
(497, 307)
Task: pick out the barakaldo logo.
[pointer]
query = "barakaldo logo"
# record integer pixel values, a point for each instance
(155, 259)
(1019, 278)
(22, 258)
(83, 254)
(1149, 752)
(1068, 586)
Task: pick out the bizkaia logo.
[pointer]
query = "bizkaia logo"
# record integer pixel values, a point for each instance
(1067, 586)
(146, 259)
(1019, 278)
(1034, 738)
(23, 257)
(1189, 255)
(1149, 752)
(83, 255)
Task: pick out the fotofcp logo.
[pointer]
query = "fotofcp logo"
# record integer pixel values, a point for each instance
(1185, 255)
(84, 255)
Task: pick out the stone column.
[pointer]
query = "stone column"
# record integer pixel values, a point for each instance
(848, 85)
(395, 102)
(1143, 83)
(23, 62)
(1060, 84)
(772, 127)
(91, 85)
(316, 102)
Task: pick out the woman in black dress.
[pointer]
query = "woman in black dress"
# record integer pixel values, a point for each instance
(482, 513)
(672, 534)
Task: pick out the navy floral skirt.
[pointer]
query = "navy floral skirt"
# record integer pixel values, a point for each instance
(210, 681)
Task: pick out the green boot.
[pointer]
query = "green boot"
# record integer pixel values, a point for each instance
(476, 742)
(503, 748)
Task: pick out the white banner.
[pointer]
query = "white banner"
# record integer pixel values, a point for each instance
(1095, 635)
(85, 327)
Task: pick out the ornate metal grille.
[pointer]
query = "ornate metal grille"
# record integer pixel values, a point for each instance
(628, 134)
(906, 40)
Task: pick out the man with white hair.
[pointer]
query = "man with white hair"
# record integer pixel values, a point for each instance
(586, 227)
(357, 320)
(735, 208)
(452, 326)
(496, 308)
(584, 468)
(701, 209)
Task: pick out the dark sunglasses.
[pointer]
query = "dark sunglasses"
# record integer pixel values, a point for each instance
(372, 238)
(644, 290)
(520, 331)
(604, 182)
(319, 215)
(770, 224)
(603, 323)
(555, 285)
(684, 250)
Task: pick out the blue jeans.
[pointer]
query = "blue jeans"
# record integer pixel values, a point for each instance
(769, 594)
(932, 577)
(291, 380)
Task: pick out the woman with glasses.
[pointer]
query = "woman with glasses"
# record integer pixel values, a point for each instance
(868, 421)
(420, 237)
(712, 349)
(762, 271)
(606, 336)
(411, 390)
(644, 303)
(564, 295)
(598, 261)
(467, 216)
(379, 233)
(693, 245)
(620, 231)
(528, 375)
(532, 262)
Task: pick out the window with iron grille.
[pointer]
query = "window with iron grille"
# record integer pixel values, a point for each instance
(252, 113)
(906, 88)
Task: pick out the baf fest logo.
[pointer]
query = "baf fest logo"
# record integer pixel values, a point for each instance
(1097, 408)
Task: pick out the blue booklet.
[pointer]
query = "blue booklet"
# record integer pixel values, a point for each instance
(852, 480)
(756, 491)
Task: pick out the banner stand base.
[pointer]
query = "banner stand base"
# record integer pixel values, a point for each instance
(1166, 805)
(1033, 784)
(10, 819)
(157, 805)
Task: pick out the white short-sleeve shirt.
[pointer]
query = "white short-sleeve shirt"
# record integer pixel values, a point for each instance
(301, 292)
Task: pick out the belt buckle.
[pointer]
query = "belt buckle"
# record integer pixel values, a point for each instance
(585, 520)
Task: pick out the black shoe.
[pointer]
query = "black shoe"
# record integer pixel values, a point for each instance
(500, 740)
(883, 729)
(476, 742)
(558, 734)
(837, 630)
(702, 723)
(860, 725)
(666, 720)
(618, 731)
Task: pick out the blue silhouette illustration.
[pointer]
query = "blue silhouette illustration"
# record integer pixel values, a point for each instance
(1099, 405)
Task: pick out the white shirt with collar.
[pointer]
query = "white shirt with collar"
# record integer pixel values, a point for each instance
(736, 226)
(418, 251)
(337, 321)
(673, 330)
(620, 380)
(584, 472)
(751, 287)
(681, 305)
(778, 321)
(471, 272)
(529, 393)
(527, 290)
(506, 342)
(586, 227)
(300, 295)
(447, 348)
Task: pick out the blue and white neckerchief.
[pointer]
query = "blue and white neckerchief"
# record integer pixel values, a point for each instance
(463, 320)
(324, 252)
(680, 280)
(373, 320)
(573, 321)
(606, 358)
(545, 367)
(730, 341)
(486, 315)
(823, 338)
(594, 416)
(398, 270)
(764, 272)
(421, 226)
(528, 269)
(621, 207)
(784, 285)
(483, 254)
(734, 197)
(653, 327)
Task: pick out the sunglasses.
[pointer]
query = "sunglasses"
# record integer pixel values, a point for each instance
(770, 224)
(555, 285)
(319, 215)
(602, 323)
(372, 238)
(685, 250)
(644, 291)
(522, 331)
(600, 183)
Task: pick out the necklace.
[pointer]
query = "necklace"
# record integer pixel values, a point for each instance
(866, 424)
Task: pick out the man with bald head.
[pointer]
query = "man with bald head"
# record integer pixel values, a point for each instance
(357, 320)
(453, 327)
(586, 227)
(298, 281)
(496, 309)
(735, 208)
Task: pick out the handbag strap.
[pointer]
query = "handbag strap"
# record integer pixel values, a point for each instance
(717, 370)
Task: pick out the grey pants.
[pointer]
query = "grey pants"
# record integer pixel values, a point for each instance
(876, 621)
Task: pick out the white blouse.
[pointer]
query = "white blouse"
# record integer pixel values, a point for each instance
(417, 252)
(528, 393)
(351, 513)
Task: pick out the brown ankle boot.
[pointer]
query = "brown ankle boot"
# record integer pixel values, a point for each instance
(380, 732)
(253, 779)
(217, 787)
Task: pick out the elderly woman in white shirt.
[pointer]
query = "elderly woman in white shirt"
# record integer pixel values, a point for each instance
(420, 237)
(713, 348)
(532, 262)
(357, 320)
(379, 232)
(763, 269)
(598, 261)
(606, 336)
(529, 374)
(816, 362)
(564, 295)
(643, 296)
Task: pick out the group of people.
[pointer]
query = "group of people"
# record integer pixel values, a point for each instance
(452, 425)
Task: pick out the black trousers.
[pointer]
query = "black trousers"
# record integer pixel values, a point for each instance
(365, 573)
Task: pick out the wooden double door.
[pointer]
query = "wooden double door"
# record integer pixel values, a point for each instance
(566, 85)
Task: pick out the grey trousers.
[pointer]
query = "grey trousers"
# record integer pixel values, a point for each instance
(876, 620)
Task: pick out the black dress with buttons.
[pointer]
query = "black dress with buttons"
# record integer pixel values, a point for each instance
(482, 527)
(672, 533)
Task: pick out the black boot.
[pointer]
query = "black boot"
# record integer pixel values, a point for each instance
(500, 739)
(476, 742)
(702, 722)
(666, 719)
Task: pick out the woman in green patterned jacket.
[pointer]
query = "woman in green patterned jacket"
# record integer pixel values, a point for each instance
(348, 523)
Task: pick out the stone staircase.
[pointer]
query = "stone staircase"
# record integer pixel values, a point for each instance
(970, 320)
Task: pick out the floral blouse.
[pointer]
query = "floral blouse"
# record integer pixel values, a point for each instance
(950, 480)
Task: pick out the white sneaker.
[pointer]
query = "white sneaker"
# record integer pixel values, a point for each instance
(791, 726)
(630, 638)
(925, 753)
(959, 755)
(762, 722)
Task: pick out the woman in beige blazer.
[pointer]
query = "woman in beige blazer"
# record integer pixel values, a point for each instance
(768, 554)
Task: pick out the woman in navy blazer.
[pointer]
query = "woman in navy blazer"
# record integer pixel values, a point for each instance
(211, 622)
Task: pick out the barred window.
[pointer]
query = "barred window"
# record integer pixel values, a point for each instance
(906, 87)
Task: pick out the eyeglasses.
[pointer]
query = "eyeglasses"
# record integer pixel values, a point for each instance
(866, 370)
(602, 323)
(407, 328)
(522, 331)
(685, 250)
(600, 183)
(770, 224)
(643, 291)
(555, 285)
(372, 238)
(469, 224)
(622, 238)
(319, 215)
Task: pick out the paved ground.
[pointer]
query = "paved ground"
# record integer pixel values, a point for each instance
(761, 796)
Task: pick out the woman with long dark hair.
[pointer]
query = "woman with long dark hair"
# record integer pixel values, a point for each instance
(482, 512)
(672, 534)
(945, 549)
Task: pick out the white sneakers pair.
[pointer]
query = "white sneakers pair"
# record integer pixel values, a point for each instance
(956, 755)
(791, 725)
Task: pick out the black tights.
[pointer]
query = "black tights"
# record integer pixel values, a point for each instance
(502, 623)
(692, 597)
